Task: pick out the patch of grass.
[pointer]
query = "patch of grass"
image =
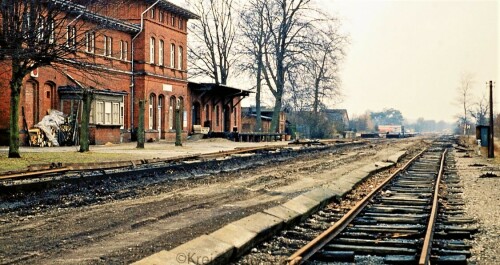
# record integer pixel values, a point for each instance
(12, 164)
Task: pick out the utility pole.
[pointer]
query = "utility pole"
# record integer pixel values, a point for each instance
(491, 147)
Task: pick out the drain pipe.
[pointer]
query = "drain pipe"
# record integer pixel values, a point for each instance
(132, 84)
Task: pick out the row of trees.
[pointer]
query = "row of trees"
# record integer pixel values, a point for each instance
(290, 48)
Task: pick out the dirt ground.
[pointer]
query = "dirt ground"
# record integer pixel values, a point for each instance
(164, 214)
(481, 181)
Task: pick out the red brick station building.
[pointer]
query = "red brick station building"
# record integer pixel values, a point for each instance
(144, 46)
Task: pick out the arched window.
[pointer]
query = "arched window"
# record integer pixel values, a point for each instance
(160, 52)
(171, 109)
(160, 123)
(152, 99)
(172, 55)
(183, 113)
(152, 50)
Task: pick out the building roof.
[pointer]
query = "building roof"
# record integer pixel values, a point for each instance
(175, 9)
(336, 113)
(215, 88)
(80, 10)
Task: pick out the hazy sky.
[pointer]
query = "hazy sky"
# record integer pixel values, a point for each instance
(409, 55)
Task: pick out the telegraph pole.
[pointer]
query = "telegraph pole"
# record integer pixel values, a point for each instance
(491, 147)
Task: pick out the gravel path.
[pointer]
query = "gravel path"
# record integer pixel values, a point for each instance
(481, 193)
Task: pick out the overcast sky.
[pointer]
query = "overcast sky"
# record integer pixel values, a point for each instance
(409, 55)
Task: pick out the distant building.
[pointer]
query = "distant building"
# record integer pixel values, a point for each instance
(390, 129)
(339, 117)
(249, 120)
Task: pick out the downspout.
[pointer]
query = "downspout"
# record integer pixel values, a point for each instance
(132, 84)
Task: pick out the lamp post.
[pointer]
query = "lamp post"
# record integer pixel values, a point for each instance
(178, 136)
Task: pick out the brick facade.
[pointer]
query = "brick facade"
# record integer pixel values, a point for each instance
(158, 55)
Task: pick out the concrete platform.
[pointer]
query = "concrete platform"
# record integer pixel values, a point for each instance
(303, 205)
(288, 215)
(322, 195)
(396, 157)
(201, 250)
(238, 237)
(262, 224)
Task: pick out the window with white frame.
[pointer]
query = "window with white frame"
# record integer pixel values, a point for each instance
(160, 52)
(109, 110)
(160, 15)
(122, 114)
(152, 13)
(104, 46)
(172, 20)
(152, 50)
(41, 29)
(109, 50)
(151, 111)
(171, 108)
(179, 60)
(172, 55)
(89, 41)
(92, 110)
(71, 37)
(52, 31)
(99, 112)
(115, 112)
(108, 46)
(107, 113)
(125, 51)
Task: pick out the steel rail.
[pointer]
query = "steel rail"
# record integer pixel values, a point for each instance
(35, 173)
(427, 245)
(320, 241)
(123, 164)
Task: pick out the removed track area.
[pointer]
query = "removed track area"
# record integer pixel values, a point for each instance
(120, 220)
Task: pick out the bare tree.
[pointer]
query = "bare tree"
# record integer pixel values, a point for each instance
(314, 81)
(285, 21)
(254, 32)
(464, 98)
(35, 34)
(479, 110)
(211, 51)
(326, 51)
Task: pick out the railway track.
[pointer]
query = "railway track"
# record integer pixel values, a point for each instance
(58, 169)
(407, 219)
(411, 218)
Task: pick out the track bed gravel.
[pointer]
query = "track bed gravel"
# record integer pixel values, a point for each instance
(114, 221)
